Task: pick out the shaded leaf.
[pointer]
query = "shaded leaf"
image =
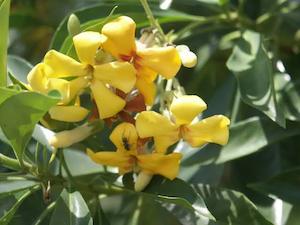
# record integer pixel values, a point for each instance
(230, 207)
(71, 209)
(10, 204)
(18, 68)
(285, 186)
(252, 67)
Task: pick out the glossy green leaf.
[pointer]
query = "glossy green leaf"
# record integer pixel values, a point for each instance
(284, 186)
(10, 204)
(230, 207)
(11, 184)
(246, 137)
(19, 115)
(180, 193)
(4, 16)
(18, 68)
(252, 67)
(71, 209)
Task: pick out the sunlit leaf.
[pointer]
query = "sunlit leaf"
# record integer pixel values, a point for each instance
(71, 209)
(252, 67)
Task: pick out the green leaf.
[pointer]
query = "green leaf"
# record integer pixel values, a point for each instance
(5, 93)
(11, 184)
(177, 192)
(10, 204)
(71, 209)
(18, 69)
(252, 67)
(285, 186)
(246, 137)
(230, 207)
(19, 115)
(4, 17)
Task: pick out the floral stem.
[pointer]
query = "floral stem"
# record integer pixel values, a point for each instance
(154, 23)
(13, 164)
(236, 106)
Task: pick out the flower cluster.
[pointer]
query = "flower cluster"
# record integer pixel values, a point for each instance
(119, 73)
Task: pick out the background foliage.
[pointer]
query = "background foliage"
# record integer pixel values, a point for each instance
(248, 53)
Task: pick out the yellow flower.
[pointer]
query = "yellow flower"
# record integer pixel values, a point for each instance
(101, 78)
(148, 62)
(42, 79)
(185, 110)
(131, 155)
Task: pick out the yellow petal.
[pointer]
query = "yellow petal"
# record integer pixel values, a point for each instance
(162, 143)
(68, 113)
(117, 159)
(37, 77)
(146, 73)
(186, 108)
(120, 35)
(86, 45)
(213, 129)
(147, 89)
(62, 86)
(63, 65)
(76, 85)
(121, 75)
(163, 60)
(157, 163)
(125, 137)
(152, 124)
(108, 103)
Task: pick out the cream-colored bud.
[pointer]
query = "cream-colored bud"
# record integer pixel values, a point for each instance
(67, 138)
(142, 180)
(188, 58)
(73, 25)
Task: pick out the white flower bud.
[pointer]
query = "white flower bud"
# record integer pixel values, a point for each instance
(73, 25)
(67, 138)
(188, 58)
(142, 180)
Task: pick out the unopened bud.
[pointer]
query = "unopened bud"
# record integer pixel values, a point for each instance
(73, 25)
(188, 58)
(67, 138)
(142, 180)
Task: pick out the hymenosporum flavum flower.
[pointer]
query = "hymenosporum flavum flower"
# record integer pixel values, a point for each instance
(102, 79)
(148, 61)
(132, 155)
(183, 124)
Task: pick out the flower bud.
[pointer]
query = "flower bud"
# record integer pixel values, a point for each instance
(188, 58)
(142, 180)
(67, 138)
(73, 25)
